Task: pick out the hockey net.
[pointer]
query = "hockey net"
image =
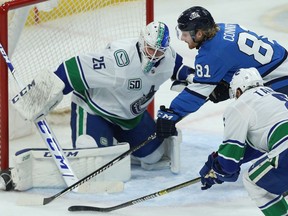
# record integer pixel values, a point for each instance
(38, 35)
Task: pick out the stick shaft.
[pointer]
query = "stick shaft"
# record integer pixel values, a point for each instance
(47, 135)
(136, 201)
(98, 171)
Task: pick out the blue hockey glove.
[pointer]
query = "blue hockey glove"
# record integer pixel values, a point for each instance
(206, 173)
(166, 123)
(212, 173)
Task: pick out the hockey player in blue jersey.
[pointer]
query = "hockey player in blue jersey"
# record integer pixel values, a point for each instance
(223, 49)
(257, 119)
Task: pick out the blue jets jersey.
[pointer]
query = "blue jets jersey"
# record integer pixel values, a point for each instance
(232, 48)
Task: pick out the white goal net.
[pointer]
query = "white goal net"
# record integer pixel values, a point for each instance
(42, 35)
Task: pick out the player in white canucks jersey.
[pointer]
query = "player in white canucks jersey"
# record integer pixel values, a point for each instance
(257, 119)
(223, 49)
(113, 88)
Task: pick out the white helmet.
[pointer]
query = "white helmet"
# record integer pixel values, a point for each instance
(154, 40)
(244, 79)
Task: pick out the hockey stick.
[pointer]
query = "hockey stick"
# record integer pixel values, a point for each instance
(47, 135)
(45, 201)
(135, 201)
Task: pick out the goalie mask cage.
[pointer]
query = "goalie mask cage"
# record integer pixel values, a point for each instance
(38, 35)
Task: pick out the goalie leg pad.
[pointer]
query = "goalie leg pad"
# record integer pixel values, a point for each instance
(268, 203)
(170, 149)
(36, 168)
(86, 141)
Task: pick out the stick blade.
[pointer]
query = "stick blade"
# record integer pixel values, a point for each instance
(87, 208)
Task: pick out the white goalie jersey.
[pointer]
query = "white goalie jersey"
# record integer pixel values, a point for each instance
(112, 84)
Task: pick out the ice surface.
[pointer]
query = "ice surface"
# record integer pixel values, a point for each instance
(202, 133)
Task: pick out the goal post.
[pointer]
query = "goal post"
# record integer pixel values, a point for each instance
(38, 35)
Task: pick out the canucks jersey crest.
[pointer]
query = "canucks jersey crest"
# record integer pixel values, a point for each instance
(121, 57)
(141, 104)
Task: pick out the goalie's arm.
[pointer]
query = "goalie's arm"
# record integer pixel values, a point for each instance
(61, 73)
(88, 71)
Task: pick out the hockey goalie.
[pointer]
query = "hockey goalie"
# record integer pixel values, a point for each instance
(111, 91)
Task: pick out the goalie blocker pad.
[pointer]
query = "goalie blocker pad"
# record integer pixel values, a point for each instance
(36, 168)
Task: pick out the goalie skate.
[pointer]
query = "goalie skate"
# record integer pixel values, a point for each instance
(6, 182)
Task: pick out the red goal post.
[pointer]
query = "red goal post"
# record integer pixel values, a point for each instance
(37, 25)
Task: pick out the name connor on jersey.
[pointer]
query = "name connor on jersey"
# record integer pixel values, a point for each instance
(229, 33)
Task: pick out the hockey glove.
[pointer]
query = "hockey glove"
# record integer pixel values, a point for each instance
(212, 173)
(166, 123)
(40, 97)
(220, 93)
(178, 85)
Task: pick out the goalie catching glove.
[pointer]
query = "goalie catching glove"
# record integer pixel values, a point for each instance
(39, 97)
(166, 121)
(212, 173)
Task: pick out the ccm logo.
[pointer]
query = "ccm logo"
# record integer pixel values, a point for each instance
(54, 147)
(68, 154)
(23, 92)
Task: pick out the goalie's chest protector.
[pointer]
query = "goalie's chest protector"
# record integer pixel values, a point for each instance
(121, 89)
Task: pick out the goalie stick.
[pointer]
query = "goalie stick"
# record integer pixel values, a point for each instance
(135, 201)
(47, 135)
(45, 201)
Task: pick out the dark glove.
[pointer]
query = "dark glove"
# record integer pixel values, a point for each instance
(212, 173)
(166, 123)
(220, 93)
(178, 85)
(206, 180)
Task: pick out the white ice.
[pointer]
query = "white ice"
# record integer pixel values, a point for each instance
(202, 133)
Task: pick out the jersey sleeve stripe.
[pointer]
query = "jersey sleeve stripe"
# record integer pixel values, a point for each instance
(74, 74)
(277, 135)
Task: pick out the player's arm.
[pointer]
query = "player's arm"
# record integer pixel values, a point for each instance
(190, 99)
(83, 72)
(182, 75)
(75, 72)
(213, 74)
(186, 102)
(224, 165)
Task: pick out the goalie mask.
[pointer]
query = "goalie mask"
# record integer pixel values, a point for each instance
(244, 79)
(154, 40)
